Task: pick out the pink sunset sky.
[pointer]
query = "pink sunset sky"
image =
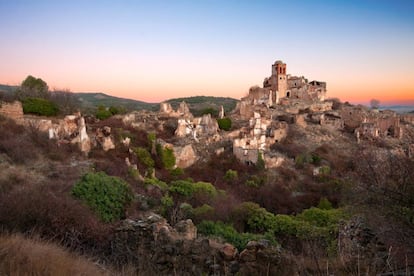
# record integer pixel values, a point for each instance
(156, 50)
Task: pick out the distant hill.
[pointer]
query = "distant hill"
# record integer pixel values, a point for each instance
(399, 108)
(7, 88)
(197, 104)
(93, 100)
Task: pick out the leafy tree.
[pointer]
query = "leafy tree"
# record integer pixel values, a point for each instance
(106, 195)
(375, 104)
(39, 106)
(33, 87)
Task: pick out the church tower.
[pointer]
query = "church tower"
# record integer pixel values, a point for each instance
(279, 79)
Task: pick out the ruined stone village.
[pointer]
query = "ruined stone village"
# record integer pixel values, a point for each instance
(261, 121)
(262, 118)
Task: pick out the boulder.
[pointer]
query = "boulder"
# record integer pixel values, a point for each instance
(185, 156)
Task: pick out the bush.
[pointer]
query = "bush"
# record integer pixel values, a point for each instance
(224, 124)
(102, 113)
(230, 175)
(41, 107)
(167, 157)
(106, 195)
(155, 182)
(229, 234)
(256, 218)
(144, 157)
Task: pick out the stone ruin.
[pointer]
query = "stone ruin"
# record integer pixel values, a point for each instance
(281, 86)
(12, 110)
(160, 249)
(188, 125)
(257, 138)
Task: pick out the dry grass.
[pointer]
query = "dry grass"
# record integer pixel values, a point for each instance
(22, 256)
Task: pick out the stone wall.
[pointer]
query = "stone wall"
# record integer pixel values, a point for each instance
(12, 110)
(156, 248)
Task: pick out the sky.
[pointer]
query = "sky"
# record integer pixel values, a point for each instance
(156, 50)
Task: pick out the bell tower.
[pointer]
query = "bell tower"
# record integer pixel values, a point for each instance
(279, 79)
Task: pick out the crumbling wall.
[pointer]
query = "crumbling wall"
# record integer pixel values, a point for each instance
(12, 110)
(155, 247)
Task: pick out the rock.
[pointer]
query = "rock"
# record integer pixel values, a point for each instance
(184, 110)
(103, 137)
(248, 256)
(166, 107)
(228, 251)
(186, 229)
(185, 156)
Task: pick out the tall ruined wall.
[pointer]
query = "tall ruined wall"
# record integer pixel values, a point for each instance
(12, 110)
(159, 249)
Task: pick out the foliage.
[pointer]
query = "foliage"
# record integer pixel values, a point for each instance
(103, 113)
(260, 161)
(230, 175)
(144, 157)
(188, 188)
(202, 210)
(257, 219)
(325, 204)
(39, 106)
(156, 182)
(33, 87)
(229, 234)
(167, 157)
(106, 195)
(182, 187)
(224, 123)
(209, 110)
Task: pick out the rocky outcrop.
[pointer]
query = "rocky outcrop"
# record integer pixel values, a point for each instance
(104, 139)
(159, 249)
(185, 156)
(72, 129)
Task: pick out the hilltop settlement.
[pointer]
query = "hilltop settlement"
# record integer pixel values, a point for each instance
(286, 155)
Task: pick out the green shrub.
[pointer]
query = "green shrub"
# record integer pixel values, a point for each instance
(325, 204)
(182, 187)
(188, 188)
(260, 161)
(144, 157)
(106, 195)
(156, 182)
(224, 124)
(257, 219)
(103, 113)
(231, 175)
(205, 188)
(203, 210)
(40, 107)
(167, 157)
(229, 234)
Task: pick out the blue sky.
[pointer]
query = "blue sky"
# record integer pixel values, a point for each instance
(154, 50)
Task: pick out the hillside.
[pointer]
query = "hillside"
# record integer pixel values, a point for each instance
(93, 100)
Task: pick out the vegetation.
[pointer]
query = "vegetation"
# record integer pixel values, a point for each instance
(224, 124)
(39, 106)
(106, 195)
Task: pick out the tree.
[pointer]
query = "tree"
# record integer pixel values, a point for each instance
(375, 103)
(33, 87)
